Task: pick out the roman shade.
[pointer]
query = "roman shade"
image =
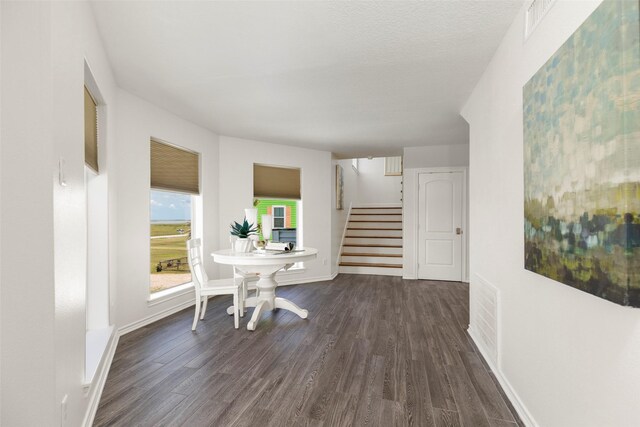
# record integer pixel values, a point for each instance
(174, 169)
(90, 131)
(276, 182)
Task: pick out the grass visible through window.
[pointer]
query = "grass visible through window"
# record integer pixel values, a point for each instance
(168, 265)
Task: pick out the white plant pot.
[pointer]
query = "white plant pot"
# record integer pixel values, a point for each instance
(242, 245)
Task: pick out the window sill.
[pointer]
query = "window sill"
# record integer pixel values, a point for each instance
(169, 294)
(96, 342)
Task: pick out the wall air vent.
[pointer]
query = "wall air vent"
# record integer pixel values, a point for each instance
(484, 317)
(535, 12)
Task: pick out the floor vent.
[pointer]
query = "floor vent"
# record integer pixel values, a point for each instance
(535, 12)
(485, 300)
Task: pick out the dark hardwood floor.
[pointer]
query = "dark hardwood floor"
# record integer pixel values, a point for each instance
(375, 350)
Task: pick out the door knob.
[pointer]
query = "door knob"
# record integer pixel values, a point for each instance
(458, 230)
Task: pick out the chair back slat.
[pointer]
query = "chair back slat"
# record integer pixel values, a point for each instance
(194, 251)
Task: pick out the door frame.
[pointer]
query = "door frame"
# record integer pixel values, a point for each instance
(416, 212)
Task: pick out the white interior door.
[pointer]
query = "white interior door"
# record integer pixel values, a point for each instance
(440, 226)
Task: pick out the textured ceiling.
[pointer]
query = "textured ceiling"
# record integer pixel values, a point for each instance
(354, 78)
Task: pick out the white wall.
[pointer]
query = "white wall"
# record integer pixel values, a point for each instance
(138, 121)
(1, 85)
(74, 40)
(436, 156)
(373, 186)
(44, 46)
(417, 160)
(339, 217)
(569, 358)
(27, 273)
(237, 157)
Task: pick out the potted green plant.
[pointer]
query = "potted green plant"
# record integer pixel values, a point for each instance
(242, 232)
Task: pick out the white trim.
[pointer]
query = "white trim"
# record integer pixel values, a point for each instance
(123, 330)
(344, 233)
(416, 209)
(103, 369)
(294, 281)
(292, 271)
(169, 294)
(284, 281)
(378, 271)
(99, 379)
(511, 393)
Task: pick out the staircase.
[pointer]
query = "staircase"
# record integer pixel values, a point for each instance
(372, 243)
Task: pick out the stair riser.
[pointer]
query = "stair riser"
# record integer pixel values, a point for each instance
(371, 270)
(397, 233)
(374, 250)
(389, 225)
(372, 259)
(372, 241)
(376, 217)
(377, 211)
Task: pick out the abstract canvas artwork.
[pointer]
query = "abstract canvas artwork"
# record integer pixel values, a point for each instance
(582, 158)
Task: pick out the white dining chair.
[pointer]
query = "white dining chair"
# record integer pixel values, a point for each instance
(247, 280)
(205, 288)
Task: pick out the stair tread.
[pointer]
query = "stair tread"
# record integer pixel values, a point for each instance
(375, 220)
(372, 255)
(365, 264)
(366, 245)
(375, 237)
(373, 228)
(375, 213)
(381, 207)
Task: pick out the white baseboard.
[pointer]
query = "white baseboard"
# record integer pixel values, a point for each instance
(282, 281)
(297, 281)
(512, 395)
(99, 379)
(123, 330)
(378, 271)
(95, 389)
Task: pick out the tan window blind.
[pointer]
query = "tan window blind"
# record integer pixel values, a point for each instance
(90, 131)
(174, 169)
(277, 183)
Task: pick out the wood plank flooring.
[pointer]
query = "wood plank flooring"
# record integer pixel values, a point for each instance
(375, 350)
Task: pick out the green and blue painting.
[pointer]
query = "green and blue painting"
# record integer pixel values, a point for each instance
(582, 158)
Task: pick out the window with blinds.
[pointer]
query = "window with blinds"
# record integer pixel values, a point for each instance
(174, 169)
(90, 131)
(393, 166)
(276, 182)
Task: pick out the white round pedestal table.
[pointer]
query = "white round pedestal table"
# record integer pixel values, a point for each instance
(266, 265)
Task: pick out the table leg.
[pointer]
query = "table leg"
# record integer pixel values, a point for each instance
(251, 326)
(288, 305)
(266, 299)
